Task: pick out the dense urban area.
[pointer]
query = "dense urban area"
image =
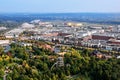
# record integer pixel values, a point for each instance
(36, 47)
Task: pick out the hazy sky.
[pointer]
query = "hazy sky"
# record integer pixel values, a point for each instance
(59, 6)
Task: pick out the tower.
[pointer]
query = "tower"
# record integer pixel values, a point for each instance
(60, 62)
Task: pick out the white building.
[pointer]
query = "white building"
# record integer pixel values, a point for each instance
(27, 26)
(4, 42)
(13, 33)
(25, 44)
(3, 28)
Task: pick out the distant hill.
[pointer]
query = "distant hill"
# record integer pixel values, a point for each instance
(106, 18)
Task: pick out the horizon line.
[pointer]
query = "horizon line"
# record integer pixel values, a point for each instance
(56, 12)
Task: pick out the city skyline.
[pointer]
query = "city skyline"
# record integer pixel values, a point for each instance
(54, 6)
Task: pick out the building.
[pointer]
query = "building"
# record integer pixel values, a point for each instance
(13, 33)
(25, 44)
(60, 62)
(114, 42)
(118, 57)
(4, 42)
(57, 49)
(103, 36)
(97, 54)
(3, 28)
(71, 24)
(7, 48)
(27, 26)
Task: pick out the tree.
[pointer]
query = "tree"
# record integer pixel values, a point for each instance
(1, 50)
(1, 73)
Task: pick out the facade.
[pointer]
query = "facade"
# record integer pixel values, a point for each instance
(60, 62)
(101, 37)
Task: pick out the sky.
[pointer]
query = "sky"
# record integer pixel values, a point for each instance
(59, 6)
